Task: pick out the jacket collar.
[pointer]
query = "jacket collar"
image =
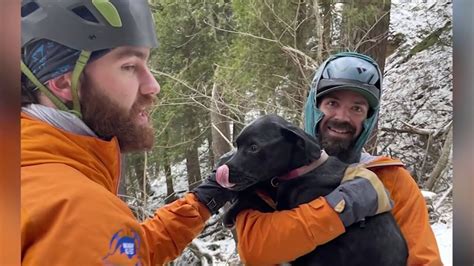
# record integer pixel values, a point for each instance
(43, 143)
(370, 161)
(60, 119)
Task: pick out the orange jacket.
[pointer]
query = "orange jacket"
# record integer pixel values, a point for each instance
(282, 236)
(70, 214)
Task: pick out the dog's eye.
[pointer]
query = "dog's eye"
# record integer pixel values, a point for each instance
(253, 148)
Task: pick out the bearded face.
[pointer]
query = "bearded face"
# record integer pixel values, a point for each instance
(344, 114)
(334, 144)
(107, 119)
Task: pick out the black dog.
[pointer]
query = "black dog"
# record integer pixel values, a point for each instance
(271, 147)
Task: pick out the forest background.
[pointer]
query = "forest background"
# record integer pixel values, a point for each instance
(222, 63)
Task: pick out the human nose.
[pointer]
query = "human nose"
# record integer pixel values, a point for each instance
(150, 85)
(342, 114)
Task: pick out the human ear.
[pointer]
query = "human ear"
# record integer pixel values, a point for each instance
(61, 86)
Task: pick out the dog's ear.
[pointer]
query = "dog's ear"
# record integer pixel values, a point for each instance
(303, 141)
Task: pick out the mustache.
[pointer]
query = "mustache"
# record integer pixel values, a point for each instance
(341, 126)
(147, 101)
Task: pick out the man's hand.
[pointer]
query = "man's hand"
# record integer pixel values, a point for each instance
(213, 195)
(361, 194)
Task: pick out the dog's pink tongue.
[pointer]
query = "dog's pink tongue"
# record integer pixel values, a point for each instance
(222, 176)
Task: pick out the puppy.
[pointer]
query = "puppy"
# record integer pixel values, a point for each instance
(280, 161)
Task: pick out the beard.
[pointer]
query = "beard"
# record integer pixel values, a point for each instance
(108, 119)
(342, 148)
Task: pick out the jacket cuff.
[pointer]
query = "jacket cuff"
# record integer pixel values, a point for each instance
(192, 199)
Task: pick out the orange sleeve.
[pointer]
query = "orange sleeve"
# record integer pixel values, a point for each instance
(412, 215)
(282, 236)
(173, 227)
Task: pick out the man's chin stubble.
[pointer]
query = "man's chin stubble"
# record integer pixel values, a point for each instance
(335, 146)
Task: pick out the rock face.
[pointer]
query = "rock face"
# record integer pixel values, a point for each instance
(416, 110)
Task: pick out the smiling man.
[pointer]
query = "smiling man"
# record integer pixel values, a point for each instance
(87, 93)
(344, 112)
(341, 111)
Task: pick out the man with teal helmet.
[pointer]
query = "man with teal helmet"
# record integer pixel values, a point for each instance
(87, 92)
(350, 72)
(341, 111)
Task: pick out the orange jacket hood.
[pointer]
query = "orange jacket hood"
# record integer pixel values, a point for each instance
(97, 159)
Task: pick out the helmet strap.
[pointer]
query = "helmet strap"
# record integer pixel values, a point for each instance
(76, 74)
(56, 101)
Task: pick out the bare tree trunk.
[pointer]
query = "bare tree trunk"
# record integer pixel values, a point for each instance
(220, 126)
(442, 161)
(122, 189)
(192, 166)
(210, 155)
(327, 27)
(170, 194)
(373, 40)
(429, 143)
(301, 36)
(145, 185)
(191, 154)
(237, 127)
(138, 163)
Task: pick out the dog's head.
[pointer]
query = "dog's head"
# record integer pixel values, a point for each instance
(270, 146)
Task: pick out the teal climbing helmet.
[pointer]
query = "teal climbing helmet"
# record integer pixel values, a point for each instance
(86, 26)
(345, 71)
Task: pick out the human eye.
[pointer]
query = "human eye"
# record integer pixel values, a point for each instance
(331, 103)
(359, 109)
(129, 67)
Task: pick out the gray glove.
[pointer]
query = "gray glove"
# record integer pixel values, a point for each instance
(360, 195)
(211, 193)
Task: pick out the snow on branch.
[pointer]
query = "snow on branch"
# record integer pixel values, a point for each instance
(420, 131)
(441, 199)
(443, 161)
(198, 247)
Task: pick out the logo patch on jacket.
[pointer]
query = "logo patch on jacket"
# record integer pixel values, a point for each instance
(123, 249)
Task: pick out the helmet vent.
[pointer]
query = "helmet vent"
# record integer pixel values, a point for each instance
(361, 69)
(29, 8)
(84, 13)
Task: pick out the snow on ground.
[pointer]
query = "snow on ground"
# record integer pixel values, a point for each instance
(444, 237)
(443, 230)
